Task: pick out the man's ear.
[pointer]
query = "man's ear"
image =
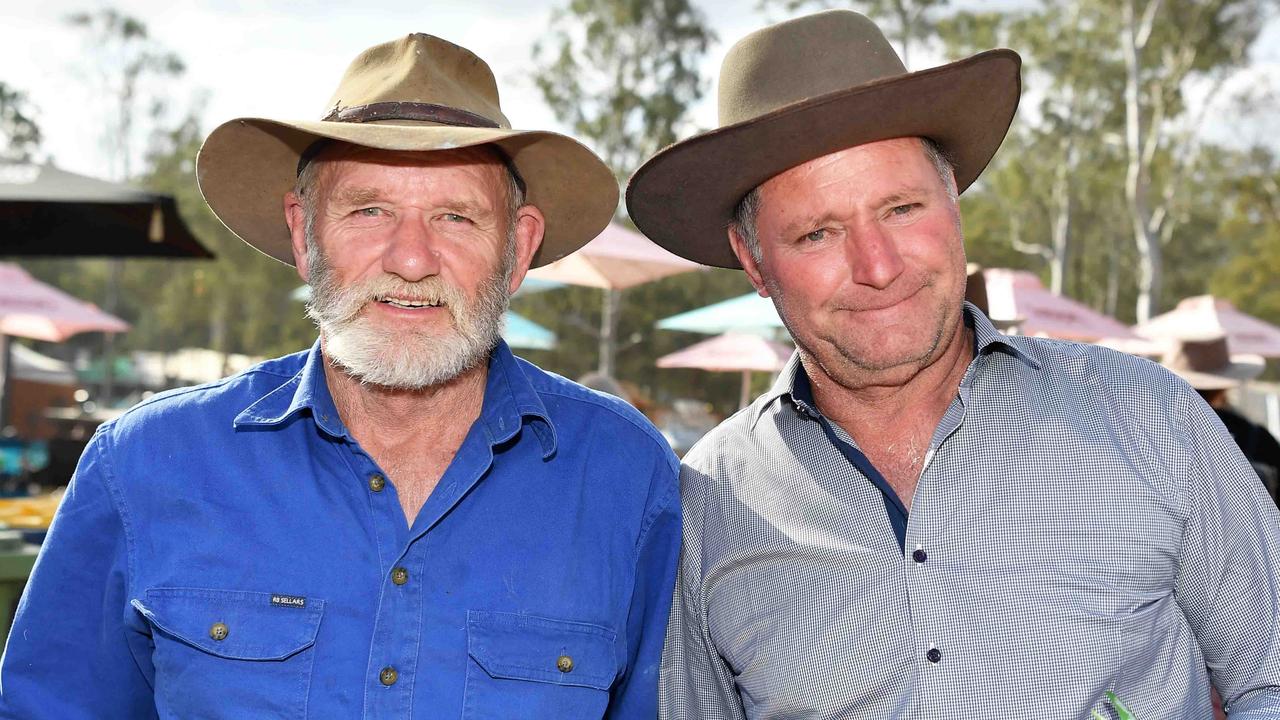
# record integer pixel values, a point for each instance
(295, 218)
(747, 260)
(530, 226)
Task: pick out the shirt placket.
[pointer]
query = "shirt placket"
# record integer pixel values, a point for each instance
(926, 596)
(401, 615)
(393, 650)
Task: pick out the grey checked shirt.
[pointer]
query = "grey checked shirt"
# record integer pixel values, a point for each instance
(1083, 523)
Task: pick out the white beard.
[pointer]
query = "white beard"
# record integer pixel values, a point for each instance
(396, 358)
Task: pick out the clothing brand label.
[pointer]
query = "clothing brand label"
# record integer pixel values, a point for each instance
(288, 601)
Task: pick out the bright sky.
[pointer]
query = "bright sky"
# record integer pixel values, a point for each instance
(284, 59)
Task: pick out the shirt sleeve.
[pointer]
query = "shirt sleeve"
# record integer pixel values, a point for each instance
(1228, 583)
(696, 681)
(635, 697)
(72, 653)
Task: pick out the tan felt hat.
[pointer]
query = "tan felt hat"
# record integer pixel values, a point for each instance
(416, 93)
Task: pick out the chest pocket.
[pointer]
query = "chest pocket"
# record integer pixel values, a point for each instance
(525, 666)
(230, 654)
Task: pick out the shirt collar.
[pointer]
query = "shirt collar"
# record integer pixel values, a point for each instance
(793, 382)
(509, 398)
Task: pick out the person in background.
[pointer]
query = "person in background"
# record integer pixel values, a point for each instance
(1208, 367)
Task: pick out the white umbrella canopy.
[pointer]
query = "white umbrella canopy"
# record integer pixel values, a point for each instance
(1205, 316)
(740, 352)
(614, 260)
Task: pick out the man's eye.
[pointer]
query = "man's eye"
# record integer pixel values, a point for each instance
(816, 235)
(455, 217)
(369, 212)
(904, 209)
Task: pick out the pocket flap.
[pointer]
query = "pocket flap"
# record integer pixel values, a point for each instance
(251, 626)
(528, 647)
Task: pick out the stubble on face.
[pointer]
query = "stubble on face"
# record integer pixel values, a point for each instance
(833, 318)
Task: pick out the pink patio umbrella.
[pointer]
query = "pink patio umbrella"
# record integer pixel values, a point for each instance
(1017, 296)
(1207, 316)
(737, 352)
(32, 309)
(614, 260)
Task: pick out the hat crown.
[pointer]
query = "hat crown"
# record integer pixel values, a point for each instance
(1208, 355)
(803, 58)
(420, 68)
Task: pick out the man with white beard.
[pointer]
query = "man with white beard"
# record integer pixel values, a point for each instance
(404, 521)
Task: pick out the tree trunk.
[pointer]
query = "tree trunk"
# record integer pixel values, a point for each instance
(609, 331)
(1061, 230)
(1137, 181)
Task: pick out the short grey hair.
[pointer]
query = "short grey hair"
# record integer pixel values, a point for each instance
(307, 190)
(748, 208)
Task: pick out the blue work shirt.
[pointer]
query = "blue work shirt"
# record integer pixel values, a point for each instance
(230, 551)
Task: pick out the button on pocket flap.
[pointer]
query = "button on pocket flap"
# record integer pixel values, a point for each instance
(234, 624)
(527, 647)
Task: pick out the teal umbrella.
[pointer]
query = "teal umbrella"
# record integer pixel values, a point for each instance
(748, 313)
(518, 331)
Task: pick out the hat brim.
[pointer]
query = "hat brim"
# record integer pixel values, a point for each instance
(247, 165)
(1242, 368)
(684, 197)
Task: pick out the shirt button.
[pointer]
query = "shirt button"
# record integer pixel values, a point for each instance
(564, 664)
(388, 676)
(218, 631)
(919, 555)
(377, 482)
(934, 655)
(399, 576)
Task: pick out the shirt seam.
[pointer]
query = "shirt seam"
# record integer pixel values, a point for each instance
(118, 504)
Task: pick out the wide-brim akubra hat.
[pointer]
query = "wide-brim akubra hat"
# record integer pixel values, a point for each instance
(805, 88)
(1206, 363)
(418, 93)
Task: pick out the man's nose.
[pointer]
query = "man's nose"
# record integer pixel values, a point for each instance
(873, 257)
(413, 252)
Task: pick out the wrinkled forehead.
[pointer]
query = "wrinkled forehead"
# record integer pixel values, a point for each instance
(335, 154)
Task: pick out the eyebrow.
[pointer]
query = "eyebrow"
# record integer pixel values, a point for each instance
(356, 196)
(907, 193)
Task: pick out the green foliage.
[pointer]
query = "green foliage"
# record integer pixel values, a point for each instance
(18, 128)
(623, 73)
(131, 72)
(1071, 129)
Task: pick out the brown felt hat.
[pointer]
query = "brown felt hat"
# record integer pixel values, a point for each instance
(1206, 363)
(805, 88)
(418, 93)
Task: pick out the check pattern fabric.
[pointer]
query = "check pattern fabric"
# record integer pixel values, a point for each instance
(1083, 523)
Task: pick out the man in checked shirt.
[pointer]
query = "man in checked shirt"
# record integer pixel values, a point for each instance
(925, 518)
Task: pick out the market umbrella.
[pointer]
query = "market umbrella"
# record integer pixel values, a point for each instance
(32, 309)
(517, 330)
(1018, 297)
(1206, 316)
(47, 211)
(732, 352)
(748, 313)
(614, 260)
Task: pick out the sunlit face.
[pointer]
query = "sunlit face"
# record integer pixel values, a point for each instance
(862, 253)
(411, 258)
